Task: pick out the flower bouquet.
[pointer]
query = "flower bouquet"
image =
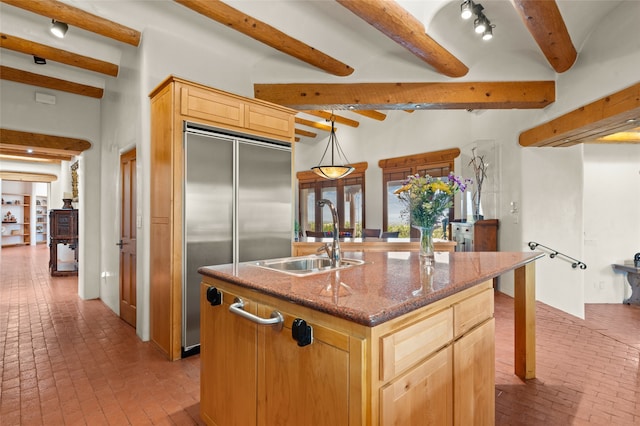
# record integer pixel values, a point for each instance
(426, 198)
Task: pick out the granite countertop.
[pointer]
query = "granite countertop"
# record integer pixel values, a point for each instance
(388, 285)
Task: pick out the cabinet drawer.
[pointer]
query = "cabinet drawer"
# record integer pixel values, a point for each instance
(270, 122)
(472, 311)
(212, 107)
(406, 347)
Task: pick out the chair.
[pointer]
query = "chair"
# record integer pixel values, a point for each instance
(315, 234)
(390, 234)
(346, 232)
(371, 233)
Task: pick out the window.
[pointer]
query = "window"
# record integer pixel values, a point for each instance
(396, 170)
(347, 194)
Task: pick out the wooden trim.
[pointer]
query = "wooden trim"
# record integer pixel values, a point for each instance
(397, 23)
(27, 177)
(26, 77)
(265, 33)
(29, 47)
(73, 16)
(446, 155)
(403, 96)
(607, 115)
(545, 23)
(309, 176)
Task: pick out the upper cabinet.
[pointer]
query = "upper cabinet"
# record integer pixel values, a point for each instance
(174, 102)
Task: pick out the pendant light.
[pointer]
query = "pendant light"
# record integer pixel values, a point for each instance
(333, 171)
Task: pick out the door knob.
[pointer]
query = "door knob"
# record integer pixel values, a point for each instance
(120, 244)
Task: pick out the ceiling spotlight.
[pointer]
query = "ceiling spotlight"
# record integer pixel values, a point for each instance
(40, 61)
(481, 23)
(488, 33)
(466, 9)
(58, 29)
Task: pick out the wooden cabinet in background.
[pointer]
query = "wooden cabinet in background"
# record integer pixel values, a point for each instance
(64, 230)
(481, 235)
(174, 102)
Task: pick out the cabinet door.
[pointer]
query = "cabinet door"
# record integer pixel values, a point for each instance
(422, 396)
(474, 376)
(228, 355)
(306, 385)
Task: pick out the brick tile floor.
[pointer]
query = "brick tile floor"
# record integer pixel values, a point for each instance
(67, 361)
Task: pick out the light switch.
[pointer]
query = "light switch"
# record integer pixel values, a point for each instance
(139, 221)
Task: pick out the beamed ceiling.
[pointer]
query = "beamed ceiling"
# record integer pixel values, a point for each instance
(388, 25)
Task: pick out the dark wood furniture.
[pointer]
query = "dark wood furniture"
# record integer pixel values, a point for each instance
(481, 235)
(64, 230)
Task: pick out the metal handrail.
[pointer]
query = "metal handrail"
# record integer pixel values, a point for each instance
(575, 263)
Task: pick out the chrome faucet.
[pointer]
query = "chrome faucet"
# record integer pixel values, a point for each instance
(335, 255)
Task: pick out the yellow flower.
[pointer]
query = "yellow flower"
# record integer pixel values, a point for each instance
(439, 185)
(402, 189)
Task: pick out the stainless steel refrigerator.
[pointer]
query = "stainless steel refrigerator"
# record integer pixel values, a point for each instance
(237, 208)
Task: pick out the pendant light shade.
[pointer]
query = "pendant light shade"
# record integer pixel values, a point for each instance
(333, 171)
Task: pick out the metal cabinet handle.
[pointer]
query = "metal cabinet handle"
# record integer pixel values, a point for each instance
(237, 308)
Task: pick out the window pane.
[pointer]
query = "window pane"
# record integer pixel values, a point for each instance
(329, 193)
(307, 210)
(395, 220)
(353, 209)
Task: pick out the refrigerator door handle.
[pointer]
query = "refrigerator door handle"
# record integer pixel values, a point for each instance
(276, 317)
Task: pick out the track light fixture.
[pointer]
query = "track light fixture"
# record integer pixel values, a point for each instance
(38, 60)
(58, 29)
(481, 25)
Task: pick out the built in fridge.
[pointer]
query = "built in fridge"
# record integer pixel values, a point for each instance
(237, 208)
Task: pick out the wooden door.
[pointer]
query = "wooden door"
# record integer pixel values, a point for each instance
(474, 377)
(303, 385)
(228, 362)
(128, 237)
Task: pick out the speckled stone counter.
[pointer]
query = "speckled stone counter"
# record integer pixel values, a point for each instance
(388, 285)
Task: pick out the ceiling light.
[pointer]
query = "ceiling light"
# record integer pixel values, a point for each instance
(466, 9)
(480, 24)
(38, 60)
(333, 171)
(58, 29)
(30, 151)
(488, 33)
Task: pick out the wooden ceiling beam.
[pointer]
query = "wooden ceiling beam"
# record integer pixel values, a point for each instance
(403, 96)
(546, 25)
(314, 124)
(614, 113)
(376, 115)
(265, 33)
(58, 55)
(73, 16)
(15, 139)
(337, 118)
(26, 77)
(21, 155)
(402, 27)
(305, 133)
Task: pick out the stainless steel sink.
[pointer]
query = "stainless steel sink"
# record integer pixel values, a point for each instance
(306, 265)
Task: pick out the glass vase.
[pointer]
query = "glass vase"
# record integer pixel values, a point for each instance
(426, 245)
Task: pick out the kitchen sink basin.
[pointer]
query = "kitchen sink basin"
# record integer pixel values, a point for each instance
(306, 265)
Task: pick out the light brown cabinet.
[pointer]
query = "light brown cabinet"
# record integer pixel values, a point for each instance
(256, 374)
(174, 102)
(432, 366)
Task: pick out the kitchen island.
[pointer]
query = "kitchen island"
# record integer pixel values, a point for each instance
(386, 342)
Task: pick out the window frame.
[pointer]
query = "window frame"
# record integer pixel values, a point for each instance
(435, 163)
(308, 179)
